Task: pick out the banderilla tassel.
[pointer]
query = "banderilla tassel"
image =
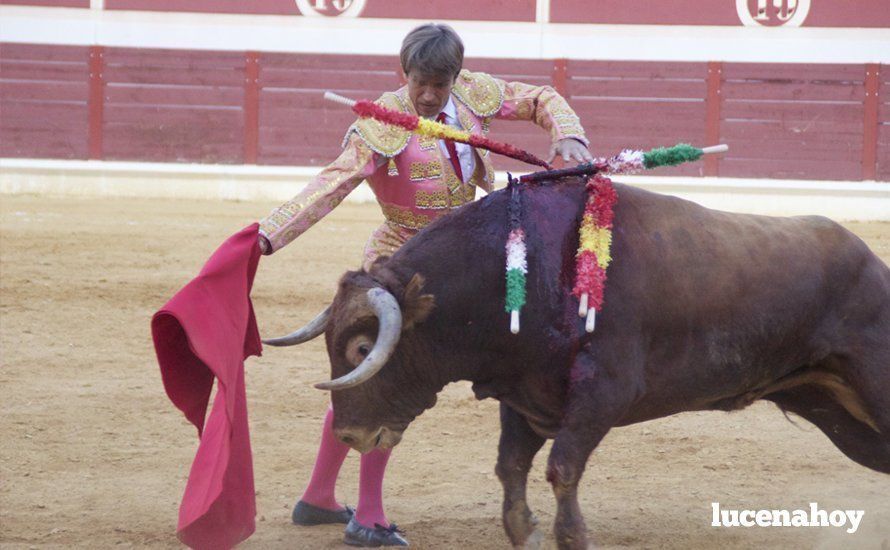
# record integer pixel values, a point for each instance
(431, 128)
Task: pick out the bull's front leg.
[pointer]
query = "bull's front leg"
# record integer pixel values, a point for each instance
(564, 469)
(516, 450)
(596, 399)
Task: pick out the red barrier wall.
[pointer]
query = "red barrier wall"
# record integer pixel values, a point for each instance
(492, 10)
(296, 124)
(793, 121)
(809, 13)
(820, 13)
(640, 105)
(44, 92)
(50, 3)
(169, 105)
(882, 137)
(781, 120)
(522, 134)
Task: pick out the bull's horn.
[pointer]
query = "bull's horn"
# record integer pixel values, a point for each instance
(310, 331)
(389, 314)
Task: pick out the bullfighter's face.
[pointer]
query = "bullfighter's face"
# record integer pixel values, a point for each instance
(375, 390)
(429, 92)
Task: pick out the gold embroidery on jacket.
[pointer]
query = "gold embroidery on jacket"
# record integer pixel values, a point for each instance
(571, 129)
(524, 109)
(431, 199)
(426, 143)
(313, 206)
(465, 119)
(466, 193)
(385, 139)
(405, 217)
(451, 182)
(482, 93)
(566, 120)
(460, 193)
(425, 170)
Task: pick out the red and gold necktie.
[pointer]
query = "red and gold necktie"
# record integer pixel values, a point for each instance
(452, 151)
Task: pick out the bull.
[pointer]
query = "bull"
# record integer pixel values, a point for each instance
(704, 310)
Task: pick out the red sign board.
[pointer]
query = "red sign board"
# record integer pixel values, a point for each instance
(50, 3)
(769, 13)
(251, 7)
(492, 10)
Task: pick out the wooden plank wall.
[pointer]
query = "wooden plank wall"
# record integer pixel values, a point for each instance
(296, 125)
(50, 3)
(173, 106)
(519, 133)
(883, 133)
(792, 121)
(780, 120)
(640, 105)
(43, 101)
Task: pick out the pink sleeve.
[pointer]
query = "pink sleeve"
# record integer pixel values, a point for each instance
(543, 106)
(321, 195)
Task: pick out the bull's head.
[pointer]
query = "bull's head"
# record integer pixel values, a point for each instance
(377, 392)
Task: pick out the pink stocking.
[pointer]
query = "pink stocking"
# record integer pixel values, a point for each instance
(370, 492)
(331, 454)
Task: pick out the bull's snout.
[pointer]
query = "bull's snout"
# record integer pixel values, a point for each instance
(364, 440)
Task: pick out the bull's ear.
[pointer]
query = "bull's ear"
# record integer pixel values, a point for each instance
(416, 307)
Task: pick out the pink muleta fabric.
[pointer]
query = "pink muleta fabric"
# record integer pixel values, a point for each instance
(206, 331)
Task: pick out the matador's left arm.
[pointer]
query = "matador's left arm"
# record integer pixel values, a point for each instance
(543, 106)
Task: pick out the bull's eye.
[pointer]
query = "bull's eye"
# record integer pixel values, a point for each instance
(358, 348)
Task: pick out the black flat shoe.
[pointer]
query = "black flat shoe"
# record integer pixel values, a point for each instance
(307, 514)
(358, 535)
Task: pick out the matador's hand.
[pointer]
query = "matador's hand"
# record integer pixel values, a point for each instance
(264, 245)
(570, 149)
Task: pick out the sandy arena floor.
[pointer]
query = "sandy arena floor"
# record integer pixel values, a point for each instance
(94, 455)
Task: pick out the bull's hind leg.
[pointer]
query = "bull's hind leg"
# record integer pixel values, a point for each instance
(857, 415)
(516, 450)
(851, 403)
(854, 438)
(597, 398)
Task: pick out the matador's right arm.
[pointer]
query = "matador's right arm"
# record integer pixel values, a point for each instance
(321, 195)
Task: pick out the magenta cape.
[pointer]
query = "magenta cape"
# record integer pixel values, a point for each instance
(206, 331)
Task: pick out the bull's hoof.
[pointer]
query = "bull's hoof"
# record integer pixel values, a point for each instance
(573, 543)
(520, 526)
(533, 542)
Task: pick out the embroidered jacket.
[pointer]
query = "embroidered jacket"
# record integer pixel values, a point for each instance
(412, 179)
